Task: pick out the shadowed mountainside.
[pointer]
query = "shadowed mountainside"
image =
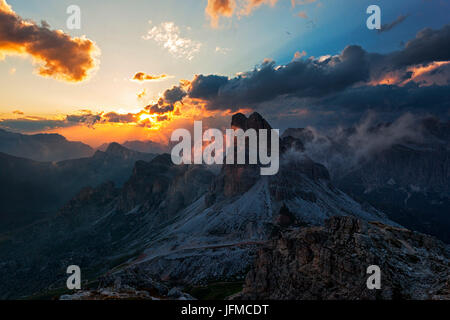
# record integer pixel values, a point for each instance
(401, 168)
(31, 190)
(42, 147)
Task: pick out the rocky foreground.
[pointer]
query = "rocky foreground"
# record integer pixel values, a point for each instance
(319, 263)
(129, 285)
(330, 262)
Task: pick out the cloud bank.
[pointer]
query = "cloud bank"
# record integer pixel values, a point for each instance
(415, 78)
(327, 90)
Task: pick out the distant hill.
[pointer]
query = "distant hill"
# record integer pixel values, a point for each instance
(141, 146)
(42, 147)
(31, 190)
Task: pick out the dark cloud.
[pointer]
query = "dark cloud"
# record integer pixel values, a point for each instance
(207, 87)
(340, 87)
(174, 95)
(159, 108)
(389, 26)
(428, 46)
(30, 125)
(35, 124)
(60, 56)
(88, 119)
(45, 24)
(389, 99)
(119, 118)
(302, 78)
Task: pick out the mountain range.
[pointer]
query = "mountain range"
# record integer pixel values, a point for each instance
(42, 147)
(195, 227)
(147, 146)
(31, 190)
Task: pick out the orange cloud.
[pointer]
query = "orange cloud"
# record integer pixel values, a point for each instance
(142, 76)
(302, 14)
(57, 54)
(217, 8)
(252, 4)
(422, 74)
(299, 55)
(141, 95)
(227, 8)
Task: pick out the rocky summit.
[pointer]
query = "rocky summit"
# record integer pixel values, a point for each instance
(330, 262)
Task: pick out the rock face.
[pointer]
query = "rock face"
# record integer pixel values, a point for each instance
(410, 184)
(236, 179)
(330, 262)
(160, 185)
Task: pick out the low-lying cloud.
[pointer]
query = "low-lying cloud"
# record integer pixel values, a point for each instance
(343, 149)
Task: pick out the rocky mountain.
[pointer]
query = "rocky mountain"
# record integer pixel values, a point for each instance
(401, 168)
(96, 229)
(178, 225)
(31, 190)
(42, 147)
(330, 263)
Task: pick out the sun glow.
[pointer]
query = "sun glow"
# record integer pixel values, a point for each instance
(150, 121)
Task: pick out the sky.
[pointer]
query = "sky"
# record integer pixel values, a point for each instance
(137, 69)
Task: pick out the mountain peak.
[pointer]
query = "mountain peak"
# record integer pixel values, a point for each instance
(254, 121)
(116, 149)
(113, 146)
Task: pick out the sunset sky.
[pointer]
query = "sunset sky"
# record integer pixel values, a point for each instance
(297, 62)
